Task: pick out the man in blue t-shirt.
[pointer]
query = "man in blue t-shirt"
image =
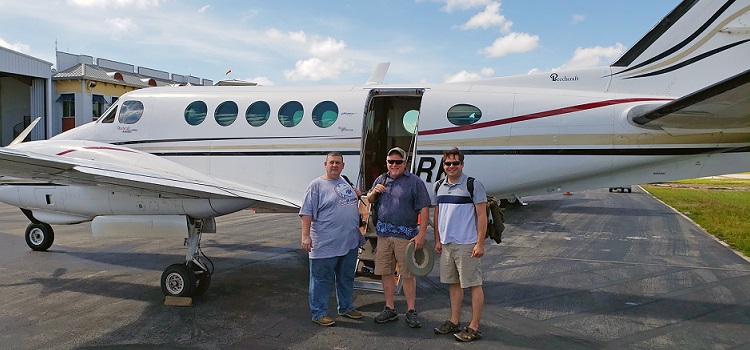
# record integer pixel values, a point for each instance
(331, 236)
(460, 223)
(402, 199)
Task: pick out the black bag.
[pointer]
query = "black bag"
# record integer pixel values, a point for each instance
(376, 204)
(495, 216)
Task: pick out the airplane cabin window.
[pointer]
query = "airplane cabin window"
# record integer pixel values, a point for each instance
(464, 114)
(258, 113)
(196, 112)
(109, 116)
(130, 112)
(226, 113)
(290, 114)
(410, 121)
(325, 114)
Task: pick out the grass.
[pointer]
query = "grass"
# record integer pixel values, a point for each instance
(723, 213)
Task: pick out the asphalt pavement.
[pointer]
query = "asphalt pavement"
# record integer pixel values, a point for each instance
(591, 270)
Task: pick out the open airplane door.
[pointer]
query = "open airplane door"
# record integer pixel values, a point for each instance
(390, 121)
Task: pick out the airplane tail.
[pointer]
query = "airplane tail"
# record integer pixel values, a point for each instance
(699, 43)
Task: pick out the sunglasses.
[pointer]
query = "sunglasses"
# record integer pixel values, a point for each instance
(456, 163)
(395, 161)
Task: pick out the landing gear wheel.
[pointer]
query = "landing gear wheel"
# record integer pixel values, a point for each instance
(178, 280)
(39, 236)
(203, 280)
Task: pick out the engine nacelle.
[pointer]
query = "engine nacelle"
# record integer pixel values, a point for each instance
(140, 226)
(74, 204)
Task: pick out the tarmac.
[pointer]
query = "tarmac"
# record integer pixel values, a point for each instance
(591, 270)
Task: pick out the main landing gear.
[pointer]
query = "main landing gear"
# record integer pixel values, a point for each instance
(193, 277)
(39, 236)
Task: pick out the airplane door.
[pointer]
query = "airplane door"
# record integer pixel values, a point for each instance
(391, 120)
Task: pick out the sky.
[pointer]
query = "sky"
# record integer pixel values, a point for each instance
(334, 42)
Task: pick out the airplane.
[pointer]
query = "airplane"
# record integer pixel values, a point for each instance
(166, 161)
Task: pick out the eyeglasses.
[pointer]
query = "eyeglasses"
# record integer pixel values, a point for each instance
(395, 161)
(456, 163)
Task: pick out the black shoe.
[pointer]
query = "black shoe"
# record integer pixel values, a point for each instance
(386, 316)
(412, 319)
(447, 327)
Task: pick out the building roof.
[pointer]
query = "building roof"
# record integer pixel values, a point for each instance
(93, 72)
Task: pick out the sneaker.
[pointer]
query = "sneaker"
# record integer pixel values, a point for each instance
(353, 313)
(386, 316)
(325, 321)
(468, 334)
(447, 327)
(412, 319)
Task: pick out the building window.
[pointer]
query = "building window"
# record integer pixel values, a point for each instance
(69, 105)
(99, 104)
(463, 114)
(290, 114)
(257, 114)
(325, 114)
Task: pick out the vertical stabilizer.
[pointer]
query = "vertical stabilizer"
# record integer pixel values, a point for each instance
(699, 43)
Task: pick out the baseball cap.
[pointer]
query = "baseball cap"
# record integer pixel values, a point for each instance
(399, 151)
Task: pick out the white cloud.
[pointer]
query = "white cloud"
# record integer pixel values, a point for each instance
(204, 8)
(511, 43)
(315, 69)
(468, 76)
(327, 47)
(120, 26)
(577, 18)
(451, 5)
(589, 57)
(140, 4)
(261, 80)
(23, 48)
(488, 18)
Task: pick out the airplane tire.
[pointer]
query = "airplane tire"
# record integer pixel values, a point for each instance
(203, 280)
(178, 280)
(202, 284)
(39, 237)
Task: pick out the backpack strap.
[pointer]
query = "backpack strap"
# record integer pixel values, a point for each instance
(470, 187)
(352, 185)
(438, 183)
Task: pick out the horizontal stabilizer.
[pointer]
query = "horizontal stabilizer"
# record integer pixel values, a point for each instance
(724, 105)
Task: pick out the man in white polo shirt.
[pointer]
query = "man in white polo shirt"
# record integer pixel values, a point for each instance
(460, 223)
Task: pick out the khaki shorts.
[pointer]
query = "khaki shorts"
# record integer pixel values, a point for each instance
(458, 266)
(388, 253)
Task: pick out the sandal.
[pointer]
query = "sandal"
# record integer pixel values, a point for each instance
(468, 334)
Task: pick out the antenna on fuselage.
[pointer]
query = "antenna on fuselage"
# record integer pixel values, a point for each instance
(378, 75)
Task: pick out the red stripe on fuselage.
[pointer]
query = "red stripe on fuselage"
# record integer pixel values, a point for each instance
(539, 115)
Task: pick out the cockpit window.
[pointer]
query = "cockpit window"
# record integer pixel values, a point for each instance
(325, 114)
(290, 114)
(463, 114)
(196, 112)
(130, 112)
(226, 113)
(257, 114)
(109, 115)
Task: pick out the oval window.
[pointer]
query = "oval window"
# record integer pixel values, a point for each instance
(257, 114)
(226, 113)
(410, 121)
(290, 114)
(130, 112)
(325, 114)
(463, 114)
(196, 112)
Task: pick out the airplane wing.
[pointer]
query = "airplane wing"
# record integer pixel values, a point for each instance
(139, 171)
(724, 105)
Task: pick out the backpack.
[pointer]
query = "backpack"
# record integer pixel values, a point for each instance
(495, 216)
